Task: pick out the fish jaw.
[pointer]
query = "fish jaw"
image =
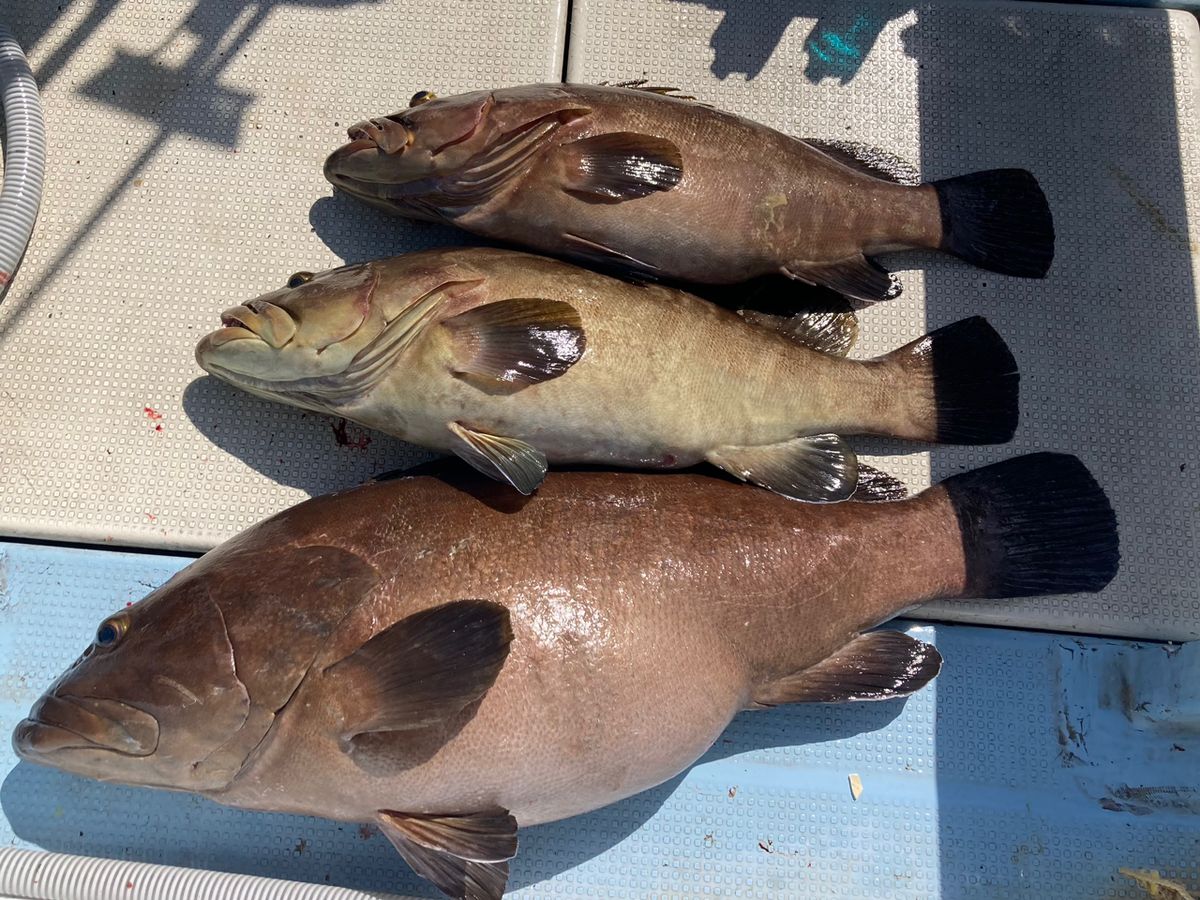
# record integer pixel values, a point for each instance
(61, 723)
(369, 173)
(86, 736)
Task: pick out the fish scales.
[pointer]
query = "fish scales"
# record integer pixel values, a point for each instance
(667, 188)
(453, 661)
(516, 362)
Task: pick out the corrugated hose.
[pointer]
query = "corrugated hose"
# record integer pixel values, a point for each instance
(24, 156)
(36, 875)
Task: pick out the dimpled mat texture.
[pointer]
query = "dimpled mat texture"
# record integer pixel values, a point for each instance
(184, 177)
(1100, 104)
(1034, 766)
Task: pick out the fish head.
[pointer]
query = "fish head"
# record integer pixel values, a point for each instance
(154, 696)
(392, 158)
(299, 344)
(181, 689)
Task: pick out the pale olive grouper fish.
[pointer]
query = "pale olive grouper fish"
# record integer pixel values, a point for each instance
(664, 187)
(514, 361)
(452, 661)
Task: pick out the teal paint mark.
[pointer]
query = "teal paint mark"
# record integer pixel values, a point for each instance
(839, 52)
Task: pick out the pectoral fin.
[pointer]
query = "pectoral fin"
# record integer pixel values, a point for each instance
(818, 468)
(514, 343)
(621, 165)
(423, 669)
(464, 856)
(856, 276)
(878, 665)
(503, 458)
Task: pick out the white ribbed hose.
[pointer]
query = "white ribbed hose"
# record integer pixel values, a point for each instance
(36, 875)
(24, 156)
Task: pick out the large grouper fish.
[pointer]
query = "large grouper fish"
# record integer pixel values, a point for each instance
(667, 188)
(450, 660)
(513, 361)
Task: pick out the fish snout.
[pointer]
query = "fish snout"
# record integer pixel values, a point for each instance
(386, 134)
(85, 723)
(266, 321)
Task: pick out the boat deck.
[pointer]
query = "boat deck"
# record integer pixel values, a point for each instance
(184, 176)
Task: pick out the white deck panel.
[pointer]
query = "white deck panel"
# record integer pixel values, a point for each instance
(1100, 104)
(184, 177)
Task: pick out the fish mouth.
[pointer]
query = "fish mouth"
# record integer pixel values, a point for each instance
(84, 723)
(386, 134)
(271, 324)
(358, 154)
(366, 170)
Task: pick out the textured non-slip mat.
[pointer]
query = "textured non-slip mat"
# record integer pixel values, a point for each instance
(1100, 104)
(1034, 766)
(184, 177)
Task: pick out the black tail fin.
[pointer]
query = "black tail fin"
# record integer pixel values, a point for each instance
(961, 384)
(997, 220)
(1036, 524)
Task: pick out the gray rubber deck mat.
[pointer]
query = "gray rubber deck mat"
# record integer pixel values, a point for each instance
(184, 177)
(1100, 103)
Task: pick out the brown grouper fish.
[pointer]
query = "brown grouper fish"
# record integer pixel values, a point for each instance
(667, 188)
(450, 661)
(514, 361)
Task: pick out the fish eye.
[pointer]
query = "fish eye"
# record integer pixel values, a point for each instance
(111, 630)
(421, 97)
(299, 278)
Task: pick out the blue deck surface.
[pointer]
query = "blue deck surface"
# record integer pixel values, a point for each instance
(1035, 765)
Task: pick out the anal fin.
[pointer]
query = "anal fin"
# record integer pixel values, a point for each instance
(605, 257)
(877, 486)
(818, 468)
(464, 856)
(856, 276)
(879, 665)
(503, 458)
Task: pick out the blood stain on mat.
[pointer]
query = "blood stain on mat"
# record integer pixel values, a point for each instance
(341, 433)
(151, 413)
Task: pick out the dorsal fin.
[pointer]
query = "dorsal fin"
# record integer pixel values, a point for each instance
(870, 160)
(643, 84)
(824, 330)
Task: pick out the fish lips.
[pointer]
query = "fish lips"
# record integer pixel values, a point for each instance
(366, 170)
(84, 723)
(266, 321)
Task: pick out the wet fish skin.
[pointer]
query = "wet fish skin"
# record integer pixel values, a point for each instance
(622, 621)
(667, 188)
(599, 371)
